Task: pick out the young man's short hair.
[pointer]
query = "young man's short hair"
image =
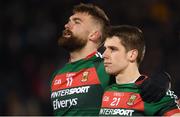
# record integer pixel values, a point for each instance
(131, 38)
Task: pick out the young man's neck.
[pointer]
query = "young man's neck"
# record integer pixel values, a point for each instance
(128, 76)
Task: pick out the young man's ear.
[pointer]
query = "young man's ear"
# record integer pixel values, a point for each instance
(132, 55)
(94, 36)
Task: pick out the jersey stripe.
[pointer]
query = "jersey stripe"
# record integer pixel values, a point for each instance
(171, 112)
(74, 79)
(127, 100)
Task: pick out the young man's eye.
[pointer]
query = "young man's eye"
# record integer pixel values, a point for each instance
(113, 48)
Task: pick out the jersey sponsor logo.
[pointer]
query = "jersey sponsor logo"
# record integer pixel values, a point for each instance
(64, 103)
(78, 90)
(121, 112)
(74, 79)
(112, 99)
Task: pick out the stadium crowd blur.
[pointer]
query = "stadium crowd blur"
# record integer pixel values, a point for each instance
(29, 52)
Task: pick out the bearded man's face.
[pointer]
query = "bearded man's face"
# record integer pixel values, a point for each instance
(71, 42)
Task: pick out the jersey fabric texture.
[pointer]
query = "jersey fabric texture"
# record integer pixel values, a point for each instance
(125, 100)
(77, 89)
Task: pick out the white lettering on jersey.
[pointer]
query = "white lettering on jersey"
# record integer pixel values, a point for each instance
(64, 103)
(83, 89)
(70, 74)
(106, 98)
(57, 82)
(121, 112)
(115, 101)
(69, 81)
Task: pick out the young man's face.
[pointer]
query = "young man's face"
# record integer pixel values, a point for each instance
(77, 30)
(115, 56)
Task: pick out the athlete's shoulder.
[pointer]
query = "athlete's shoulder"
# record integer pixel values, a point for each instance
(55, 72)
(98, 55)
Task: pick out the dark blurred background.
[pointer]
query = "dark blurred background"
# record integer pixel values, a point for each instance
(29, 52)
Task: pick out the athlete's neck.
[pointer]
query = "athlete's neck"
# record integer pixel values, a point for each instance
(129, 75)
(80, 54)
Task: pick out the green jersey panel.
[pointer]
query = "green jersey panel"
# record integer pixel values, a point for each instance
(77, 88)
(125, 100)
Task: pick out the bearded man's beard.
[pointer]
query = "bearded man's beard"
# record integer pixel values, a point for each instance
(70, 42)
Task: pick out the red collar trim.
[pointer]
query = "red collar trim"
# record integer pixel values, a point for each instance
(87, 57)
(90, 55)
(141, 79)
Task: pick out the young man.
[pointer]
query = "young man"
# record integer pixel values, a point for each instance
(77, 88)
(124, 51)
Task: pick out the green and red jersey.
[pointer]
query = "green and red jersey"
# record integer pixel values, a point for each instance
(125, 100)
(77, 88)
